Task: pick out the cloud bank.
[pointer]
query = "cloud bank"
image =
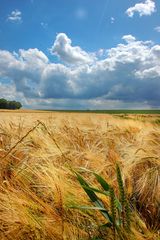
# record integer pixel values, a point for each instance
(129, 75)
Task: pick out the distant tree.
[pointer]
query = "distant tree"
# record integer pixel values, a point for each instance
(18, 105)
(4, 104)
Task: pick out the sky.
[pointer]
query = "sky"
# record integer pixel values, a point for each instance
(80, 54)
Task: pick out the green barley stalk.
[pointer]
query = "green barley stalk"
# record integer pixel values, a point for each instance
(123, 200)
(113, 210)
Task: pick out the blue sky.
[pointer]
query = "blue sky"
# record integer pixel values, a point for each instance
(74, 54)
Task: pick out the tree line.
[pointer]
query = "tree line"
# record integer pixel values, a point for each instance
(5, 104)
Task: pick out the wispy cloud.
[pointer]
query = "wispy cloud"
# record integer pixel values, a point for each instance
(157, 29)
(81, 13)
(44, 25)
(128, 38)
(146, 8)
(112, 20)
(15, 16)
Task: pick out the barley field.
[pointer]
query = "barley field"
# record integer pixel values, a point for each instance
(41, 152)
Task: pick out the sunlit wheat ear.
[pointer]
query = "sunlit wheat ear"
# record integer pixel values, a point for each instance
(147, 188)
(148, 185)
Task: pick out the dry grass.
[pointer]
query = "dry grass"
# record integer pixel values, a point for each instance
(37, 186)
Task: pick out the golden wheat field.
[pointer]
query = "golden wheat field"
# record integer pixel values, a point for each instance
(39, 191)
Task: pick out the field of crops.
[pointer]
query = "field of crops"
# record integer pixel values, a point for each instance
(122, 111)
(46, 155)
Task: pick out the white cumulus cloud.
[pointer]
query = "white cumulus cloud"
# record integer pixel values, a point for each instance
(146, 8)
(24, 69)
(63, 48)
(128, 38)
(15, 16)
